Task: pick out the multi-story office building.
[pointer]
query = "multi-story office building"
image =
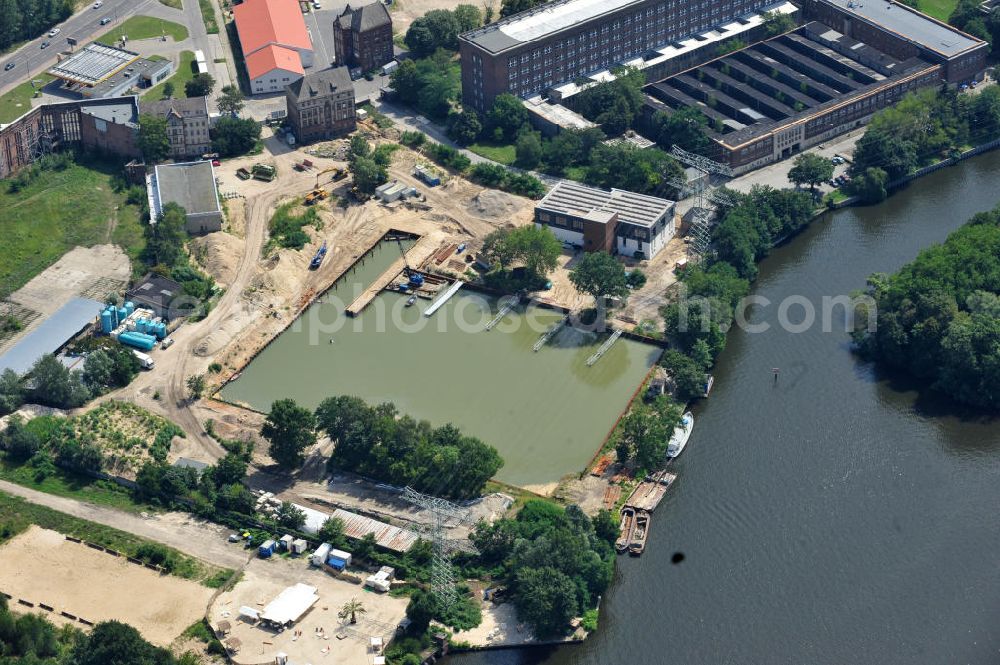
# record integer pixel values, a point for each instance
(564, 40)
(188, 124)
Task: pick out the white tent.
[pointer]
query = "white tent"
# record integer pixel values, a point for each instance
(290, 604)
(249, 614)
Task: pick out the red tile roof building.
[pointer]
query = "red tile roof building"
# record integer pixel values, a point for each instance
(275, 43)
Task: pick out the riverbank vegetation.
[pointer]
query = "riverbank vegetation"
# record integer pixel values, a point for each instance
(535, 249)
(923, 128)
(380, 443)
(939, 315)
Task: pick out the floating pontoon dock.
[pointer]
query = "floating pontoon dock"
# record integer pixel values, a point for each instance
(604, 347)
(502, 313)
(452, 290)
(647, 495)
(547, 335)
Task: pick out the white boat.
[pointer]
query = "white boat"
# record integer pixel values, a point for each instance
(681, 435)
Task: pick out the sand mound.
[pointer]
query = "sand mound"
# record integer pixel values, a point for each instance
(492, 204)
(219, 254)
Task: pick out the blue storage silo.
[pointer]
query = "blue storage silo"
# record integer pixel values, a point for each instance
(129, 306)
(121, 315)
(106, 321)
(137, 340)
(142, 325)
(161, 330)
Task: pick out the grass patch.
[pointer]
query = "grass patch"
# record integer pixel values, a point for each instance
(17, 102)
(144, 27)
(16, 515)
(939, 9)
(176, 4)
(286, 227)
(577, 173)
(208, 17)
(75, 486)
(60, 210)
(185, 72)
(504, 153)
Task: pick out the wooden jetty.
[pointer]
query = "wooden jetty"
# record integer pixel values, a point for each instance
(511, 302)
(376, 287)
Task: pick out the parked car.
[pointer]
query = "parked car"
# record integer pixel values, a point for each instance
(317, 5)
(216, 162)
(9, 66)
(105, 20)
(98, 4)
(54, 31)
(45, 45)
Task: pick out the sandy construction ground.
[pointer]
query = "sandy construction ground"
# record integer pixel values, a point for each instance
(41, 566)
(264, 579)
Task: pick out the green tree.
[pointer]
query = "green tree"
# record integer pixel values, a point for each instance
(290, 429)
(528, 149)
(464, 128)
(196, 386)
(18, 441)
(546, 598)
(351, 609)
(289, 516)
(537, 247)
(511, 7)
(436, 29)
(230, 100)
(236, 498)
(421, 609)
(232, 137)
(498, 248)
(168, 89)
(810, 169)
(97, 370)
(776, 23)
(368, 175)
(871, 185)
(199, 86)
(55, 385)
(165, 239)
(468, 17)
(11, 391)
(332, 531)
(507, 116)
(601, 275)
(684, 127)
(153, 142)
(116, 643)
(229, 470)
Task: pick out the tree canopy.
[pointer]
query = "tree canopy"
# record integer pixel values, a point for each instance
(290, 429)
(27, 19)
(380, 443)
(153, 141)
(810, 169)
(436, 29)
(232, 137)
(199, 86)
(938, 317)
(230, 100)
(601, 275)
(614, 104)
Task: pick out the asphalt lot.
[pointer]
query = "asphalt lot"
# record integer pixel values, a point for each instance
(30, 60)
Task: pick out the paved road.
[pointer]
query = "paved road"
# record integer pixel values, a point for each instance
(181, 531)
(31, 60)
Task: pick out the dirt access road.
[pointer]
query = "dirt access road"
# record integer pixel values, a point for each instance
(181, 531)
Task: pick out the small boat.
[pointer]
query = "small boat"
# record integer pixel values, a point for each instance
(625, 530)
(410, 301)
(637, 543)
(681, 435)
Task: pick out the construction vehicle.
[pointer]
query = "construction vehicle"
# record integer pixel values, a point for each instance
(415, 279)
(264, 172)
(242, 174)
(315, 196)
(338, 174)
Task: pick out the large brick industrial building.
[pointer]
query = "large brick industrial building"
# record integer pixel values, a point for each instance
(105, 125)
(362, 37)
(563, 40)
(321, 105)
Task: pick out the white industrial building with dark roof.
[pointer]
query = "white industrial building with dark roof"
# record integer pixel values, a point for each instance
(616, 221)
(191, 185)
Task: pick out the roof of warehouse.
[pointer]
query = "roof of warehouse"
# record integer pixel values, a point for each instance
(574, 199)
(910, 25)
(263, 22)
(357, 527)
(55, 331)
(190, 185)
(273, 57)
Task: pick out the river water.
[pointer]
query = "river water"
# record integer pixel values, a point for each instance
(834, 516)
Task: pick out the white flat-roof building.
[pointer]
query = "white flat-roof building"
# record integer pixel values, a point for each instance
(191, 185)
(622, 222)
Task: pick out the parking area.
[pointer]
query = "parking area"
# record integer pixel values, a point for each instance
(776, 175)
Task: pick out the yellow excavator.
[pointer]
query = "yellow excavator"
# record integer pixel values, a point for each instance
(338, 174)
(315, 196)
